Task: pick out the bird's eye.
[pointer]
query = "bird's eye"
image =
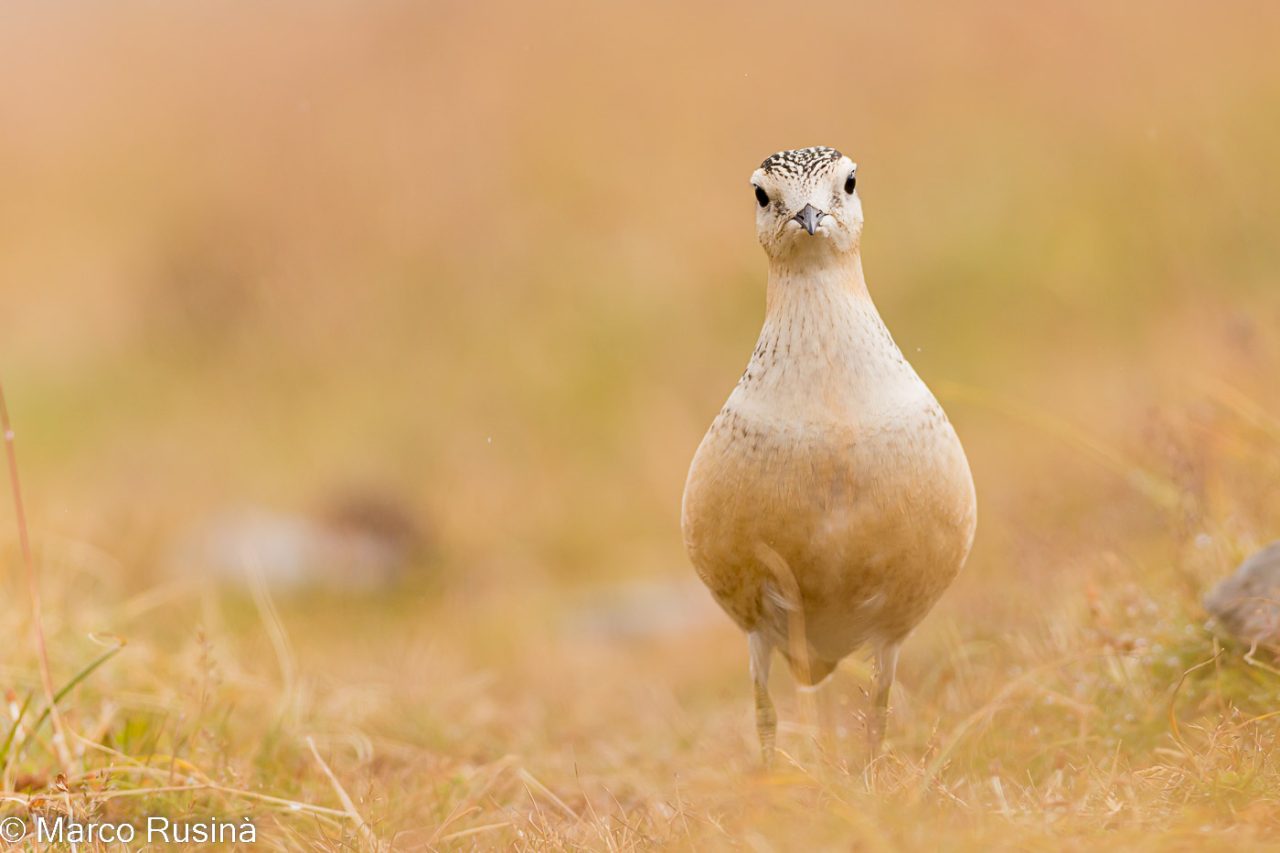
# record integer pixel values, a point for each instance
(850, 182)
(762, 197)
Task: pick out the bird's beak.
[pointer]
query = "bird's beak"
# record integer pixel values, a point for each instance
(809, 217)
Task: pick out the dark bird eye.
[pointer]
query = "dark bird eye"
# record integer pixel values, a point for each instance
(850, 183)
(762, 197)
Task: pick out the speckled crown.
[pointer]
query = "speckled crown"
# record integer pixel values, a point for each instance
(802, 161)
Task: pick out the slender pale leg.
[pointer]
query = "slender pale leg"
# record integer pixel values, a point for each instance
(766, 718)
(886, 667)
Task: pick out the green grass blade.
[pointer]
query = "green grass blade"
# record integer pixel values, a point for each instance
(70, 685)
(13, 730)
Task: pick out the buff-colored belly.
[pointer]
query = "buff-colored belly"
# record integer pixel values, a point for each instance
(871, 523)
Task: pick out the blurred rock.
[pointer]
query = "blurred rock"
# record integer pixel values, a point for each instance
(1247, 604)
(356, 542)
(643, 609)
(364, 513)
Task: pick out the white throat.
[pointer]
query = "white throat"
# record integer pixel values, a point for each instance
(823, 351)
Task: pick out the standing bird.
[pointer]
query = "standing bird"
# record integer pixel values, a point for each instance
(830, 504)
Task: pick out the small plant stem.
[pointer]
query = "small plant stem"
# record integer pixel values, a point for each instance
(33, 589)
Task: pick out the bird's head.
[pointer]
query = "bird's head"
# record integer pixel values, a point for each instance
(807, 204)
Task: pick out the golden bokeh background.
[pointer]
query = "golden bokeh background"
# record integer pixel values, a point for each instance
(497, 261)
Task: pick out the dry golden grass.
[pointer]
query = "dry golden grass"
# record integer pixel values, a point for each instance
(498, 259)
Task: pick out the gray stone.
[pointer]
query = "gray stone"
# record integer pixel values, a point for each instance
(1247, 604)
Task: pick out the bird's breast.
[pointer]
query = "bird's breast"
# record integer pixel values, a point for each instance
(854, 477)
(902, 463)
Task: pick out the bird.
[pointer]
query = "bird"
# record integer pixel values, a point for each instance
(830, 503)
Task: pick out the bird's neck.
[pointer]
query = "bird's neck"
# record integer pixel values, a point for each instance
(808, 284)
(824, 355)
(825, 338)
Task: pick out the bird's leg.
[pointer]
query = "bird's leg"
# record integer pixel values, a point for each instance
(766, 718)
(886, 666)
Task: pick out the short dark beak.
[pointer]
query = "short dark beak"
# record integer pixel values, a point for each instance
(809, 217)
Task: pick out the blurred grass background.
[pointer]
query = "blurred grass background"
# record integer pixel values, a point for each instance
(498, 260)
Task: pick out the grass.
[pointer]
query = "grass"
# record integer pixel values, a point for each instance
(250, 258)
(483, 718)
